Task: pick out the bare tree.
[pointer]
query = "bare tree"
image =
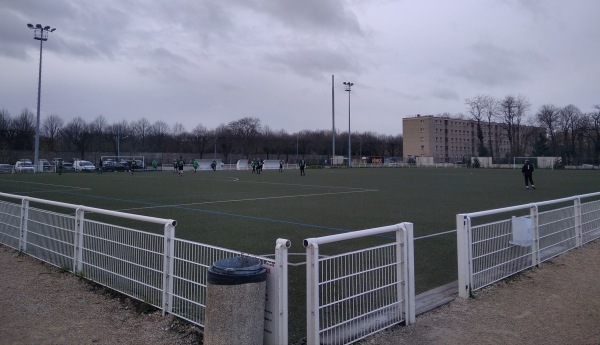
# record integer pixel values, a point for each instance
(5, 128)
(512, 113)
(158, 132)
(569, 119)
(477, 108)
(594, 131)
(141, 129)
(77, 132)
(179, 134)
(246, 131)
(24, 129)
(547, 116)
(51, 127)
(98, 129)
(225, 139)
(200, 136)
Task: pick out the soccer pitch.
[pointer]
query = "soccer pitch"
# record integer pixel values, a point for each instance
(247, 212)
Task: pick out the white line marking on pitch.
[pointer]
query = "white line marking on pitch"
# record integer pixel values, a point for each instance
(249, 199)
(55, 185)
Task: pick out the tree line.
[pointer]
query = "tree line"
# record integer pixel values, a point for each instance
(568, 132)
(243, 138)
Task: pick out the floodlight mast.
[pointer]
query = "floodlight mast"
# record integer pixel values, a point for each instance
(349, 89)
(39, 33)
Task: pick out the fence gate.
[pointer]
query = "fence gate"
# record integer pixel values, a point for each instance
(355, 294)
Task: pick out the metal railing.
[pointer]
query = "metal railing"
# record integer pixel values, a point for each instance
(158, 269)
(502, 246)
(353, 295)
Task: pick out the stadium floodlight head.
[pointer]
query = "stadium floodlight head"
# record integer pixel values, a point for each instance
(39, 33)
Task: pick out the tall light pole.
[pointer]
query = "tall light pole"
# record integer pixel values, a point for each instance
(41, 34)
(349, 89)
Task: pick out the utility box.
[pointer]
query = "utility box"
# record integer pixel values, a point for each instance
(235, 302)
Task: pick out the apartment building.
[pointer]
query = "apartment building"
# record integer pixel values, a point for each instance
(449, 139)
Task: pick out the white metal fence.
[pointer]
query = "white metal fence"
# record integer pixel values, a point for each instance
(158, 269)
(353, 295)
(512, 239)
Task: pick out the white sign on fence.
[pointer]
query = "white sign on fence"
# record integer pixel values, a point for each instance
(522, 234)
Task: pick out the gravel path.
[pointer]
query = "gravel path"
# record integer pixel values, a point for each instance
(558, 303)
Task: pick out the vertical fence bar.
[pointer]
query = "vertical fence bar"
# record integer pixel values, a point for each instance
(312, 296)
(281, 261)
(23, 225)
(578, 222)
(463, 244)
(78, 240)
(168, 251)
(535, 247)
(408, 266)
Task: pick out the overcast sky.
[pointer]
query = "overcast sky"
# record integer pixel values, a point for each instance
(212, 62)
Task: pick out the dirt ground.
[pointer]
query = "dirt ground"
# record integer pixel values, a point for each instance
(558, 303)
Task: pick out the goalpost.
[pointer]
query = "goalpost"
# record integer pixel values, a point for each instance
(519, 161)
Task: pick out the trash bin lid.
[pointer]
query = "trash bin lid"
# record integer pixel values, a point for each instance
(237, 270)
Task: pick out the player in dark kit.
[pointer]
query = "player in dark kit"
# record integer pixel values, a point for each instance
(527, 171)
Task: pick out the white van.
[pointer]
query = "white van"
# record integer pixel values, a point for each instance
(81, 165)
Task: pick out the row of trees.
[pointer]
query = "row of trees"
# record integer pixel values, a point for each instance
(567, 132)
(246, 137)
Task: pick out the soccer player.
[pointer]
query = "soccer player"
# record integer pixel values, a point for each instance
(302, 164)
(527, 171)
(180, 164)
(281, 165)
(195, 166)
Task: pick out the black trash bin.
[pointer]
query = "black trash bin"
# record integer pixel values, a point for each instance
(237, 270)
(235, 301)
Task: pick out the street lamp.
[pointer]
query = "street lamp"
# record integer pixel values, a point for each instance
(41, 34)
(348, 88)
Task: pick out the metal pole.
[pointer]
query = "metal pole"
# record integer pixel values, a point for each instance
(36, 155)
(332, 117)
(349, 133)
(349, 89)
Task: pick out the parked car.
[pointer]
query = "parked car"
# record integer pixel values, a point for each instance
(23, 166)
(6, 168)
(81, 165)
(68, 167)
(45, 165)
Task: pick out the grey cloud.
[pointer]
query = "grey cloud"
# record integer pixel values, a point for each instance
(311, 15)
(490, 65)
(315, 63)
(445, 94)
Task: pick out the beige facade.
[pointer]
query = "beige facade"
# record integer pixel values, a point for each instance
(449, 139)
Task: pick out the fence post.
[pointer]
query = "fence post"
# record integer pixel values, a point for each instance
(168, 251)
(463, 243)
(578, 222)
(535, 247)
(409, 271)
(281, 264)
(78, 240)
(312, 294)
(23, 225)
